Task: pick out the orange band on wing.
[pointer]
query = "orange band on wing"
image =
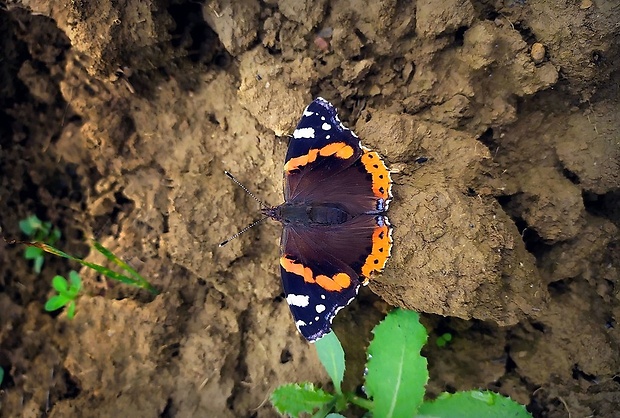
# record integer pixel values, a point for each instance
(297, 268)
(381, 180)
(335, 283)
(338, 149)
(381, 248)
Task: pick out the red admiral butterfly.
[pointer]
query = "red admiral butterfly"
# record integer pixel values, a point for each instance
(336, 233)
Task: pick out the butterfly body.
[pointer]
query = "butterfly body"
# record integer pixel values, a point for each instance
(336, 234)
(307, 214)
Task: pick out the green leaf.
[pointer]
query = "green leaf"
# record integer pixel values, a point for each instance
(443, 340)
(55, 302)
(38, 264)
(25, 227)
(71, 310)
(30, 225)
(397, 373)
(76, 281)
(331, 355)
(43, 231)
(54, 236)
(32, 253)
(60, 284)
(296, 398)
(1, 375)
(473, 404)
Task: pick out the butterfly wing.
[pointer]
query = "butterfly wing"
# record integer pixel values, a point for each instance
(322, 267)
(325, 162)
(319, 134)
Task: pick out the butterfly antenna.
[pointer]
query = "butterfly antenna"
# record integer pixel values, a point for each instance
(252, 225)
(230, 176)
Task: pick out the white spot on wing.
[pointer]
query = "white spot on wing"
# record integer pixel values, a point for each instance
(316, 318)
(298, 300)
(303, 133)
(323, 297)
(320, 308)
(307, 113)
(326, 126)
(300, 324)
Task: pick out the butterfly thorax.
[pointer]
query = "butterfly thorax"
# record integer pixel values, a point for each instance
(309, 214)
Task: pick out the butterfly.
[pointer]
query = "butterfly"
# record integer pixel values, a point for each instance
(336, 234)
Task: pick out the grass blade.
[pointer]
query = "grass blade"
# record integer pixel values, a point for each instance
(137, 277)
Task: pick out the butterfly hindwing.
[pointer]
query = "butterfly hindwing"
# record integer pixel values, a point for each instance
(322, 267)
(316, 284)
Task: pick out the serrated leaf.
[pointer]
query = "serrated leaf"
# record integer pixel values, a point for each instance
(60, 284)
(473, 404)
(55, 302)
(331, 355)
(396, 371)
(297, 398)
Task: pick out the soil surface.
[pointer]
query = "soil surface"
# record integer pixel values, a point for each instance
(500, 118)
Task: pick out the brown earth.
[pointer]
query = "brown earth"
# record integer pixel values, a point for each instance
(501, 119)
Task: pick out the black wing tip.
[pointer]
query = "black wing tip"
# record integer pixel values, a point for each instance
(326, 104)
(317, 336)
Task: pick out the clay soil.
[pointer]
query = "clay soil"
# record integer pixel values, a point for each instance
(500, 119)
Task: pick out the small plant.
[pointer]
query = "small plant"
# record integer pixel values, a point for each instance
(67, 293)
(43, 237)
(133, 278)
(396, 376)
(39, 231)
(443, 339)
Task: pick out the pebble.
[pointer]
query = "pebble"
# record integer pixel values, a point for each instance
(538, 52)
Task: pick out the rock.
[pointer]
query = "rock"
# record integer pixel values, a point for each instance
(538, 52)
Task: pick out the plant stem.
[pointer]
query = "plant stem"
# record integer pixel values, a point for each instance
(325, 409)
(361, 402)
